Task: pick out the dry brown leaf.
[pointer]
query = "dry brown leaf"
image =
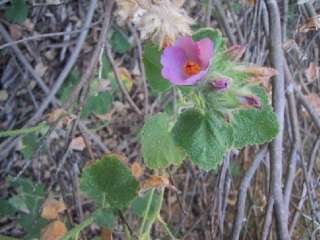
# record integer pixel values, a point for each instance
(55, 115)
(251, 2)
(51, 208)
(106, 234)
(78, 143)
(54, 231)
(137, 170)
(154, 182)
(313, 72)
(258, 71)
(314, 100)
(15, 31)
(311, 24)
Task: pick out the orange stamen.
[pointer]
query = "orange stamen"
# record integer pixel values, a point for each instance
(191, 68)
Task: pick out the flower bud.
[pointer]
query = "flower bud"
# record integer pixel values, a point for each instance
(220, 84)
(250, 101)
(235, 52)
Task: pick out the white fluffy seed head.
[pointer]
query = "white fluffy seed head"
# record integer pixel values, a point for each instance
(160, 20)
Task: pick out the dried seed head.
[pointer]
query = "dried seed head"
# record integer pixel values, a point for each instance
(235, 52)
(160, 20)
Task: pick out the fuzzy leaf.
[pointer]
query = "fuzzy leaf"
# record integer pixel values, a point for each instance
(158, 147)
(109, 180)
(18, 11)
(99, 104)
(151, 60)
(6, 209)
(30, 144)
(31, 197)
(204, 137)
(213, 34)
(119, 42)
(104, 217)
(255, 126)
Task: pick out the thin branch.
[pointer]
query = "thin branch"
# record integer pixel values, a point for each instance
(120, 83)
(245, 184)
(279, 106)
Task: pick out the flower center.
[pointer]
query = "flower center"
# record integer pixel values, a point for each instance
(191, 68)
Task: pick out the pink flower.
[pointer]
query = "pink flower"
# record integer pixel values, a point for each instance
(187, 62)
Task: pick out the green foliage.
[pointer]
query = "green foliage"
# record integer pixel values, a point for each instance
(104, 217)
(139, 205)
(31, 141)
(6, 208)
(28, 202)
(204, 137)
(151, 60)
(99, 104)
(2, 237)
(255, 126)
(17, 12)
(109, 180)
(213, 34)
(119, 42)
(158, 147)
(30, 144)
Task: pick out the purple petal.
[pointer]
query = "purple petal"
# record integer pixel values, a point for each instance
(173, 60)
(206, 50)
(193, 79)
(189, 47)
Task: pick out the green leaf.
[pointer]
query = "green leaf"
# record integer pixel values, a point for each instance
(30, 197)
(151, 60)
(30, 144)
(18, 203)
(204, 137)
(31, 193)
(109, 180)
(106, 67)
(214, 34)
(17, 12)
(99, 104)
(119, 42)
(104, 217)
(6, 208)
(158, 147)
(32, 225)
(139, 205)
(255, 126)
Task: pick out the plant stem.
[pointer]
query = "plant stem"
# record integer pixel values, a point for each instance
(141, 230)
(165, 226)
(76, 230)
(13, 133)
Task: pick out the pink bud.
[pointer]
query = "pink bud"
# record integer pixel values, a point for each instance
(220, 84)
(235, 52)
(250, 101)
